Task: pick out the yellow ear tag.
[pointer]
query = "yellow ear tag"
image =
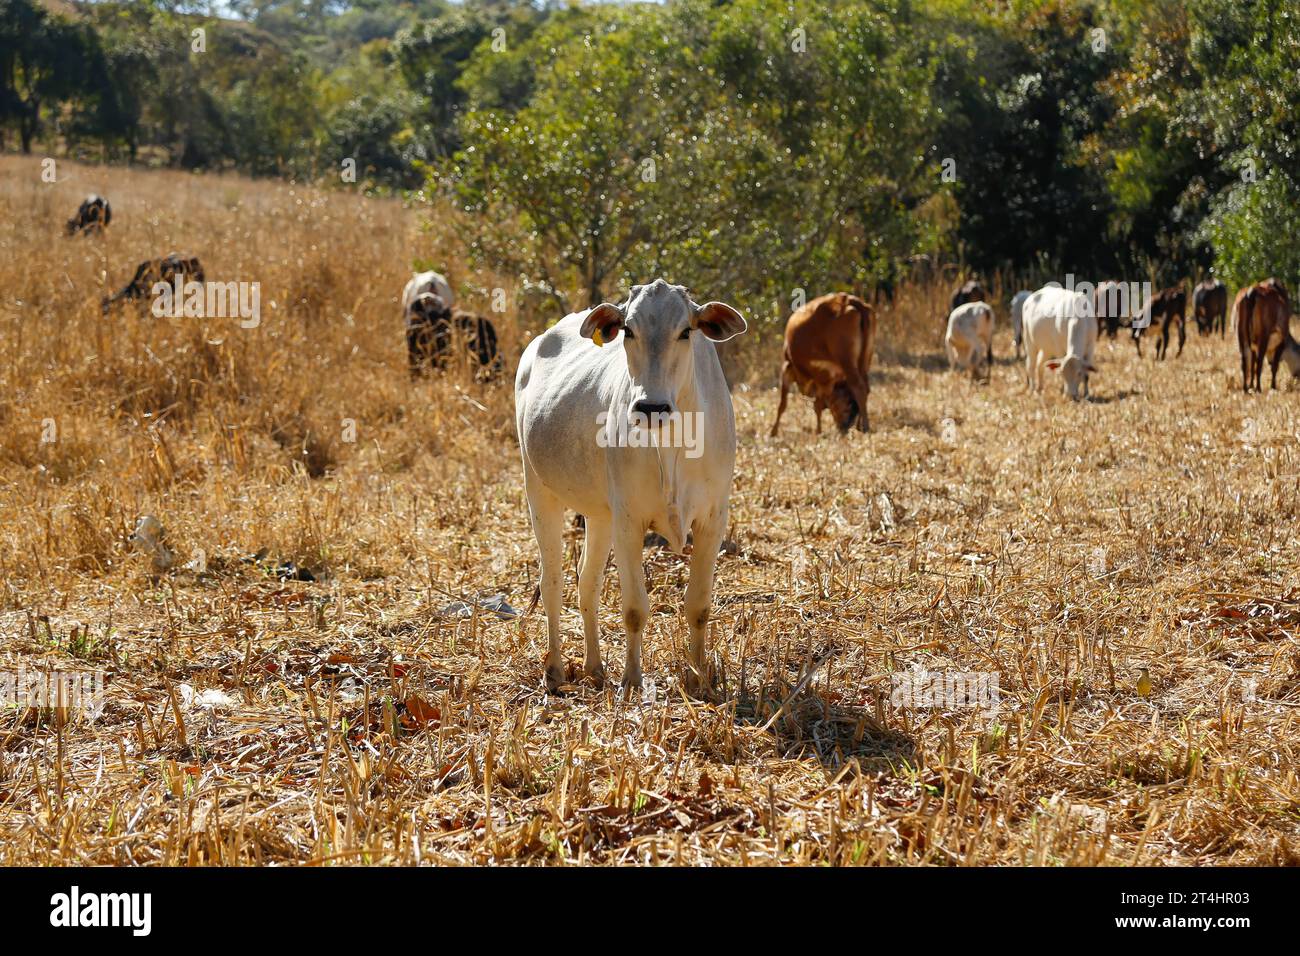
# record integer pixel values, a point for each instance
(597, 337)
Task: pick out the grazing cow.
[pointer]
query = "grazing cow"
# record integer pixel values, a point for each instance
(1166, 309)
(970, 338)
(1263, 316)
(152, 271)
(1059, 322)
(1018, 320)
(828, 347)
(1210, 306)
(573, 398)
(93, 215)
(432, 329)
(423, 282)
(970, 291)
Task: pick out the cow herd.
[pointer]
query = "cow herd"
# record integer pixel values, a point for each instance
(594, 381)
(434, 330)
(1057, 328)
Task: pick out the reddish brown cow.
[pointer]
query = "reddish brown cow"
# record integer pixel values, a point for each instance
(1262, 313)
(828, 346)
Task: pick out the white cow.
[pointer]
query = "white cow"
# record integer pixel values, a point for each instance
(422, 283)
(970, 338)
(1060, 334)
(1018, 319)
(598, 415)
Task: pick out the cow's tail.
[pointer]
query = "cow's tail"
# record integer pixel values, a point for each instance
(536, 599)
(866, 328)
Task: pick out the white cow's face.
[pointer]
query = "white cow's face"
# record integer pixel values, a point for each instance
(1075, 371)
(659, 322)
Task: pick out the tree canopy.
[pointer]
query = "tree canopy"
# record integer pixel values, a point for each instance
(769, 145)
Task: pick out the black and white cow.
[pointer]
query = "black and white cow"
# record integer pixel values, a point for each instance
(93, 215)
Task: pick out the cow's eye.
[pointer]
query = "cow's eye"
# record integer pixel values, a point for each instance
(627, 334)
(686, 334)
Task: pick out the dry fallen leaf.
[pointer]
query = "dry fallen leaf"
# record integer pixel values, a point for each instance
(420, 712)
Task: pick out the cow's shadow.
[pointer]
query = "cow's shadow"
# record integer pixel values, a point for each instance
(907, 417)
(811, 725)
(1112, 397)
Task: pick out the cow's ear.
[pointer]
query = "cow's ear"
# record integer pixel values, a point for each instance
(605, 320)
(718, 321)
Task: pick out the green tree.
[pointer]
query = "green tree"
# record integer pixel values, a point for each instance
(43, 62)
(735, 147)
(1246, 51)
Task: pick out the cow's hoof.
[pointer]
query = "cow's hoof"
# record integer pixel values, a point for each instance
(631, 681)
(596, 675)
(554, 679)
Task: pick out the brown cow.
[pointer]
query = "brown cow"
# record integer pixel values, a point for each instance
(1166, 309)
(1210, 306)
(828, 347)
(1262, 313)
(152, 271)
(970, 291)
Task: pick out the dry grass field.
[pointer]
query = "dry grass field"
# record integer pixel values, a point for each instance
(349, 720)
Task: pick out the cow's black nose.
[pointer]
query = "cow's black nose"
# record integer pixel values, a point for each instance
(652, 408)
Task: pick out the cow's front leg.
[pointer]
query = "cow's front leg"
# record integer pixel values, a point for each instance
(699, 596)
(628, 540)
(591, 573)
(548, 526)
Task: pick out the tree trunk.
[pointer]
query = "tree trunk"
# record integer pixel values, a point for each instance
(27, 124)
